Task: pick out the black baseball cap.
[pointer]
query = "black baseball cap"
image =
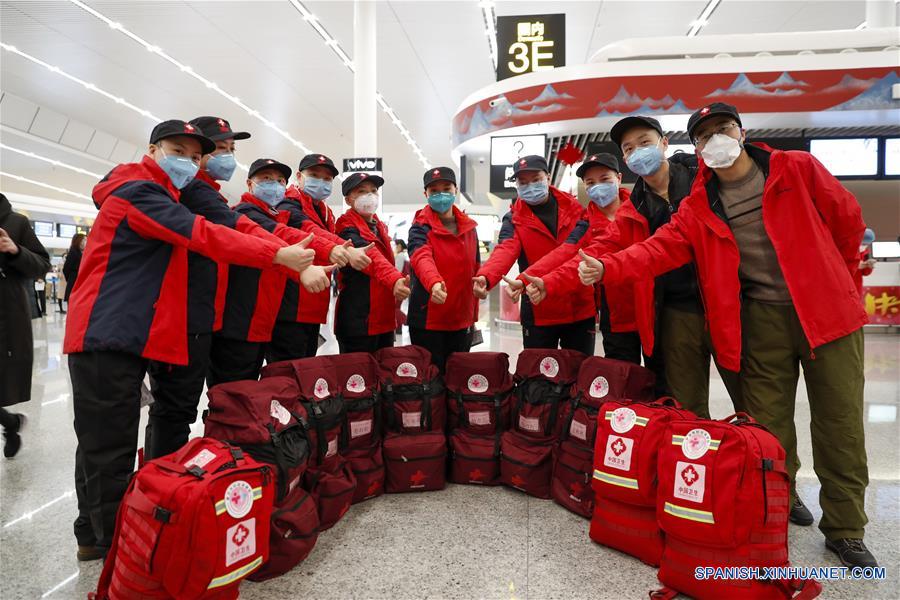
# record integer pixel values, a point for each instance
(439, 174)
(351, 182)
(268, 163)
(532, 162)
(623, 125)
(604, 159)
(711, 110)
(217, 129)
(311, 160)
(174, 127)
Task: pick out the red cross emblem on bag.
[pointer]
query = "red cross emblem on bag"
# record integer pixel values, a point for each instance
(689, 475)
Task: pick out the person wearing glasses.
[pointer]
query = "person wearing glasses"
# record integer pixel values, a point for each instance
(775, 238)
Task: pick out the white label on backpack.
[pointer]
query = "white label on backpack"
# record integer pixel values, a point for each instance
(578, 430)
(618, 452)
(358, 428)
(332, 448)
(240, 541)
(529, 424)
(695, 443)
(478, 383)
(356, 384)
(549, 367)
(599, 387)
(238, 498)
(294, 483)
(622, 420)
(480, 418)
(690, 481)
(412, 419)
(279, 412)
(407, 370)
(201, 459)
(321, 388)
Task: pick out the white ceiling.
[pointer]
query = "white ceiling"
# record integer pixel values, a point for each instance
(431, 55)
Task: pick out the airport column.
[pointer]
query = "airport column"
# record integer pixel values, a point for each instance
(365, 141)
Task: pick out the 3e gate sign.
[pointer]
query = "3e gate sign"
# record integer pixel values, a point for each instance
(530, 43)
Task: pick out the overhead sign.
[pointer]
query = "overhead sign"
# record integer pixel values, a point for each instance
(505, 151)
(529, 43)
(362, 165)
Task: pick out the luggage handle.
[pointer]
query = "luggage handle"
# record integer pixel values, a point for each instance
(667, 401)
(179, 468)
(665, 593)
(807, 588)
(738, 418)
(139, 501)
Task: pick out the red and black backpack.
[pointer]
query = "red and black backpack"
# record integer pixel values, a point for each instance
(480, 392)
(544, 381)
(413, 394)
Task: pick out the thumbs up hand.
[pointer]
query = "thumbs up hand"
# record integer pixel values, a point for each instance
(358, 258)
(340, 255)
(535, 288)
(479, 287)
(590, 270)
(297, 257)
(401, 288)
(514, 288)
(439, 293)
(316, 278)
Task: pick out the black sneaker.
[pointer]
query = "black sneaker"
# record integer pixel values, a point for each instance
(12, 440)
(852, 552)
(800, 515)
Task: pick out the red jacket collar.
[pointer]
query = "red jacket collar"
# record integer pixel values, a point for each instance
(146, 170)
(203, 175)
(249, 198)
(464, 223)
(354, 219)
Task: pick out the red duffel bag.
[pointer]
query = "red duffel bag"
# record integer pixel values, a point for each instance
(629, 438)
(526, 463)
(357, 380)
(191, 525)
(367, 465)
(600, 380)
(332, 488)
(415, 462)
(294, 531)
(413, 395)
(266, 421)
(723, 501)
(474, 458)
(544, 380)
(480, 392)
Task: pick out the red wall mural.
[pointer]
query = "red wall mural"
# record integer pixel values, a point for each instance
(798, 91)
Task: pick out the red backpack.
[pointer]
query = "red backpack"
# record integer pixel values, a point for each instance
(368, 469)
(526, 462)
(412, 391)
(479, 392)
(192, 524)
(415, 462)
(294, 531)
(629, 438)
(320, 397)
(544, 380)
(333, 488)
(357, 381)
(474, 458)
(264, 419)
(723, 501)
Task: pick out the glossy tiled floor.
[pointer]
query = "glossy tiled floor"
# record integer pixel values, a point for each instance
(463, 542)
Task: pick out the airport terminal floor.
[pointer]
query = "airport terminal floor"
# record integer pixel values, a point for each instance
(462, 542)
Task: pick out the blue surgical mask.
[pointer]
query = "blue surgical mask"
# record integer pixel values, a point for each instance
(441, 201)
(221, 166)
(315, 188)
(180, 169)
(271, 192)
(534, 193)
(645, 160)
(604, 194)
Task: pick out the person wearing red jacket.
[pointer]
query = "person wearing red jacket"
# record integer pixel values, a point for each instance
(755, 222)
(129, 306)
(541, 218)
(364, 315)
(866, 262)
(253, 295)
(444, 256)
(602, 179)
(302, 313)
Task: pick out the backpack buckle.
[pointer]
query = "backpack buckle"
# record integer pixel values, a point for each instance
(767, 464)
(196, 471)
(161, 514)
(236, 453)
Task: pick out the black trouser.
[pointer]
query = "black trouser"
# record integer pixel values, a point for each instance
(233, 360)
(293, 340)
(571, 336)
(42, 300)
(441, 344)
(365, 343)
(176, 393)
(106, 391)
(8, 420)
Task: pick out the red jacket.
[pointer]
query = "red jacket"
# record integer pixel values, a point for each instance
(365, 304)
(254, 296)
(815, 226)
(863, 272)
(298, 304)
(437, 255)
(620, 298)
(131, 292)
(525, 238)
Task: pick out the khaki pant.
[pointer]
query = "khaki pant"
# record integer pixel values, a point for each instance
(774, 349)
(686, 352)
